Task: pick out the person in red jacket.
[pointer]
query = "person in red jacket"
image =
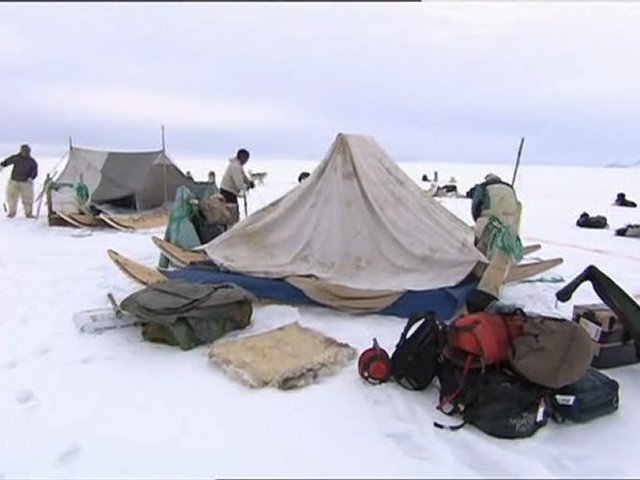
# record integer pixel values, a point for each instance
(20, 185)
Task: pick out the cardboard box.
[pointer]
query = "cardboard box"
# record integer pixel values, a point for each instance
(597, 313)
(617, 334)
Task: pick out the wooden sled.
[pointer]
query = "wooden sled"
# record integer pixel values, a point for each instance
(139, 221)
(80, 220)
(120, 221)
(523, 271)
(179, 255)
(529, 249)
(114, 224)
(145, 275)
(135, 271)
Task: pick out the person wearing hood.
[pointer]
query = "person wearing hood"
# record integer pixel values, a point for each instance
(496, 210)
(235, 182)
(20, 185)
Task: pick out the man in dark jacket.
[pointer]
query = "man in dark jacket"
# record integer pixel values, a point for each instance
(20, 185)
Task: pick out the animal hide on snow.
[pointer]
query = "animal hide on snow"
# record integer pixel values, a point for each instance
(288, 357)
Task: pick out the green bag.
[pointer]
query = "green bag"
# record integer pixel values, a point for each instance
(189, 314)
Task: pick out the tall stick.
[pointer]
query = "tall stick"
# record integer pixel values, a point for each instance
(164, 167)
(515, 170)
(244, 200)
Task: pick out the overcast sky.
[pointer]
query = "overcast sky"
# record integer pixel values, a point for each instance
(457, 81)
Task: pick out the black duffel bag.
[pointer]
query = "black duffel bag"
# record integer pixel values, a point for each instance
(594, 395)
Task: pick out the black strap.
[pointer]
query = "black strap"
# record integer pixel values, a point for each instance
(449, 427)
(412, 321)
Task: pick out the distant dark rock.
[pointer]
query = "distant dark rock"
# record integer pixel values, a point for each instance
(615, 165)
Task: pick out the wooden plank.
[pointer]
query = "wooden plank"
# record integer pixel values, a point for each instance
(179, 255)
(135, 271)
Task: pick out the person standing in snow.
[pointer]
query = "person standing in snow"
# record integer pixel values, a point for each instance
(20, 185)
(496, 210)
(235, 182)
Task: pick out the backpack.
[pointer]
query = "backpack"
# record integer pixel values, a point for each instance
(482, 338)
(594, 395)
(413, 362)
(495, 400)
(587, 221)
(214, 210)
(186, 314)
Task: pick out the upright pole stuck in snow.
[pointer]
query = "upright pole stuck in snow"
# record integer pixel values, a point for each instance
(164, 168)
(515, 170)
(70, 143)
(244, 200)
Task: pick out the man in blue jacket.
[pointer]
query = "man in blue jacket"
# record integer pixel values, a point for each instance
(20, 185)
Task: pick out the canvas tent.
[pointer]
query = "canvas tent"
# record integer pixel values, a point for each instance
(357, 234)
(134, 181)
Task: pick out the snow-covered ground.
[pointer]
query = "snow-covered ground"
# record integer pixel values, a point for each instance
(112, 405)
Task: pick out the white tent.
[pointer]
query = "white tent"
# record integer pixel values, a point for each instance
(358, 221)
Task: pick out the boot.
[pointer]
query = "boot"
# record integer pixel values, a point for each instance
(479, 300)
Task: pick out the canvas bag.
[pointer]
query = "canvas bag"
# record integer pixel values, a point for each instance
(413, 362)
(552, 352)
(189, 314)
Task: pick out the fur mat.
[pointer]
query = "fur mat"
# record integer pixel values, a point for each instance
(288, 357)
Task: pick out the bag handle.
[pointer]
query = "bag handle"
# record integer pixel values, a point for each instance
(194, 302)
(413, 319)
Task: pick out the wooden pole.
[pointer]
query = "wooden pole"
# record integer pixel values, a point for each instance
(164, 168)
(244, 199)
(515, 170)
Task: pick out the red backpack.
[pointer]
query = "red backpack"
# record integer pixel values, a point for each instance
(477, 340)
(482, 338)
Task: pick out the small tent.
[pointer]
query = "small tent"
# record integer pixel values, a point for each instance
(133, 181)
(358, 235)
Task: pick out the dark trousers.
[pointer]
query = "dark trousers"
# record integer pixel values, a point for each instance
(229, 197)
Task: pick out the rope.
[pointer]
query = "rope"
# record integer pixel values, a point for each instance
(551, 279)
(497, 236)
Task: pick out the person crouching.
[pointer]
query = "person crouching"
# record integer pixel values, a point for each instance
(496, 210)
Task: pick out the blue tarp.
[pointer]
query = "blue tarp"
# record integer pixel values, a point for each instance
(443, 301)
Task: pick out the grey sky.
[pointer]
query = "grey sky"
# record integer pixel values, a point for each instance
(458, 81)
